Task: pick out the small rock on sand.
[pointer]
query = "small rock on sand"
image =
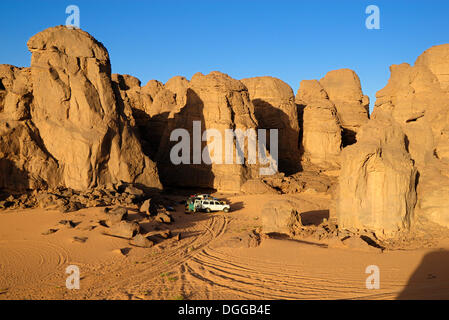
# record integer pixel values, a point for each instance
(141, 241)
(49, 231)
(124, 229)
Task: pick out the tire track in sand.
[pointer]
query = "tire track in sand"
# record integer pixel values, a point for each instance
(148, 274)
(219, 275)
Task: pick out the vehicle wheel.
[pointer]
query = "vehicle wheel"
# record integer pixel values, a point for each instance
(208, 210)
(226, 210)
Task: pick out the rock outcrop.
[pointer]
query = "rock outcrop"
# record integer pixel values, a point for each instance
(214, 101)
(331, 112)
(76, 113)
(377, 180)
(24, 161)
(15, 92)
(344, 90)
(66, 122)
(321, 130)
(275, 108)
(417, 97)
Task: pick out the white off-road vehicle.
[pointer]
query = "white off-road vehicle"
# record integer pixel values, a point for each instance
(210, 205)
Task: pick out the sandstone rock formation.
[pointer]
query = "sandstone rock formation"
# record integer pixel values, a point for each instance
(417, 97)
(321, 130)
(344, 90)
(275, 108)
(24, 161)
(76, 113)
(331, 112)
(377, 180)
(15, 92)
(130, 98)
(280, 216)
(215, 101)
(67, 124)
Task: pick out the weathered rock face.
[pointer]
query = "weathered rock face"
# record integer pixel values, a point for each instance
(131, 101)
(417, 97)
(377, 180)
(218, 102)
(25, 163)
(344, 90)
(331, 112)
(321, 131)
(437, 60)
(275, 108)
(280, 216)
(15, 92)
(76, 113)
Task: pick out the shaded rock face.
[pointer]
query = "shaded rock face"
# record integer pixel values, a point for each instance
(417, 97)
(377, 180)
(321, 130)
(220, 103)
(24, 162)
(76, 113)
(275, 108)
(216, 101)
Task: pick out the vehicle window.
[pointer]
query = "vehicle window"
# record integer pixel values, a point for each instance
(216, 202)
(206, 202)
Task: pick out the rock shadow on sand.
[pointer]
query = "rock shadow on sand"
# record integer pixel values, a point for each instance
(430, 281)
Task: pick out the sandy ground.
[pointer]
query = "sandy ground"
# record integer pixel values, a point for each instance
(203, 264)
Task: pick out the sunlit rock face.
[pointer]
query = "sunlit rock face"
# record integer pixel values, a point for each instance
(76, 113)
(417, 97)
(377, 180)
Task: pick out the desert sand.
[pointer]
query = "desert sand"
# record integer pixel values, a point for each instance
(206, 263)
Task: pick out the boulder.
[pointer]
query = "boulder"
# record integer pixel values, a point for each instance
(116, 215)
(163, 217)
(145, 207)
(280, 216)
(141, 241)
(124, 229)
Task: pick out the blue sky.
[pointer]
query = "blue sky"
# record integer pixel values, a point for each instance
(290, 40)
